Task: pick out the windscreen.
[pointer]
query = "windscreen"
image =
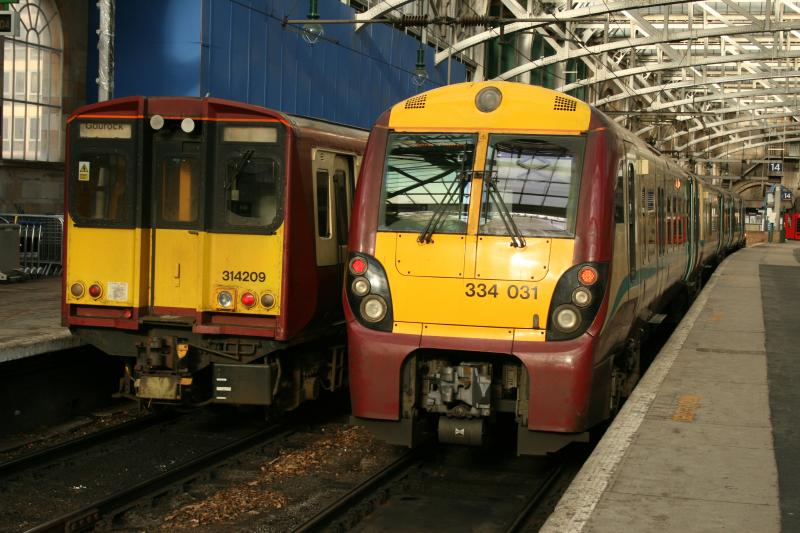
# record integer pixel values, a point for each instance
(250, 175)
(426, 173)
(535, 179)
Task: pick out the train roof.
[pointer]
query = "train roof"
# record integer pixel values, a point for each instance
(206, 108)
(521, 105)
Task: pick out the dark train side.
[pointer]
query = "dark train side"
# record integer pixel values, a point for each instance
(205, 241)
(510, 248)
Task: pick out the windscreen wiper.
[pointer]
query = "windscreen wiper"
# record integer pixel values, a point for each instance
(456, 188)
(517, 240)
(244, 160)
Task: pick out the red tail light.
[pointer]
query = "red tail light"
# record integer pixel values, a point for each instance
(587, 275)
(358, 266)
(95, 290)
(248, 299)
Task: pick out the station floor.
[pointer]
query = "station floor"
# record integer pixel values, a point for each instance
(30, 319)
(709, 439)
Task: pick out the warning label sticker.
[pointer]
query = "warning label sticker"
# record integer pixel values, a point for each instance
(117, 291)
(83, 170)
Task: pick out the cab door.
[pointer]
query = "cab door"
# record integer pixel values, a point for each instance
(177, 214)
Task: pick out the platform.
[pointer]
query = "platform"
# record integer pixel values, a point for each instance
(708, 440)
(30, 319)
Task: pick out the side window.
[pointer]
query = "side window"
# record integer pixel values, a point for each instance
(323, 205)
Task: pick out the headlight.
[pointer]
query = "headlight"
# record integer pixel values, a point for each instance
(360, 286)
(567, 318)
(224, 299)
(488, 99)
(373, 308)
(581, 297)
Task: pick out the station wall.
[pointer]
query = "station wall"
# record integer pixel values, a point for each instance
(239, 49)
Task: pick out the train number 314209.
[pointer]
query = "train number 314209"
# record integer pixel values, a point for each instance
(481, 290)
(242, 275)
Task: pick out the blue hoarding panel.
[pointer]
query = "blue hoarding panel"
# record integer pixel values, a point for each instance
(241, 50)
(157, 47)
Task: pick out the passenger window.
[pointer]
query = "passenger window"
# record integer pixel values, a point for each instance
(179, 184)
(101, 184)
(251, 197)
(323, 205)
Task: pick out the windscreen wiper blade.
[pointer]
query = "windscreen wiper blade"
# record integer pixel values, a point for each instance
(456, 188)
(517, 240)
(244, 160)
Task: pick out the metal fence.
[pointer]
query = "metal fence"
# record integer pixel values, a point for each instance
(40, 238)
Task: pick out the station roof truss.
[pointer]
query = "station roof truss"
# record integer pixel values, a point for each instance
(705, 81)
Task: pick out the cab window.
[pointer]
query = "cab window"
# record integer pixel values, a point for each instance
(427, 180)
(101, 182)
(251, 186)
(535, 180)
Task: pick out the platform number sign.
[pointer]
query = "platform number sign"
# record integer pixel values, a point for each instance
(775, 167)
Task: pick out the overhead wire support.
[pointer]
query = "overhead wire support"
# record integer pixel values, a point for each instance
(415, 21)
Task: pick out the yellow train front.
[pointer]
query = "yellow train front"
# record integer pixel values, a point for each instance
(508, 244)
(205, 244)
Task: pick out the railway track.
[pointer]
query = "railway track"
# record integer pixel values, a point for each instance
(448, 489)
(59, 451)
(89, 481)
(104, 509)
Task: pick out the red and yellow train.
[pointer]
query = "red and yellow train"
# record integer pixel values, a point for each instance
(205, 241)
(509, 246)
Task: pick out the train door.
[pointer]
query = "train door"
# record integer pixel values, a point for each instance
(661, 244)
(649, 272)
(632, 221)
(333, 189)
(177, 220)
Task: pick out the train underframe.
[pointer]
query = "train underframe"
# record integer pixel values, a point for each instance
(177, 366)
(551, 393)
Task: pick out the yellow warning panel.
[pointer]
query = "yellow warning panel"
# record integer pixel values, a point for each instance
(687, 408)
(83, 170)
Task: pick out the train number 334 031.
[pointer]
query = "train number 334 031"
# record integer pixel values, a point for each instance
(242, 275)
(481, 290)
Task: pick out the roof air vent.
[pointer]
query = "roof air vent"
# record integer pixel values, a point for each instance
(564, 104)
(417, 102)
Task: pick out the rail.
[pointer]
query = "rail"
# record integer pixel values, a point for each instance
(338, 508)
(76, 445)
(40, 238)
(106, 508)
